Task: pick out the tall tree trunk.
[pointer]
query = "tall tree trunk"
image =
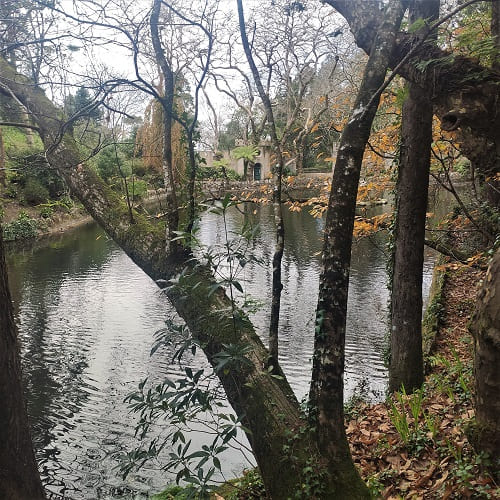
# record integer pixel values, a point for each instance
(299, 159)
(495, 33)
(406, 363)
(485, 327)
(19, 477)
(277, 285)
(191, 181)
(493, 186)
(327, 384)
(167, 102)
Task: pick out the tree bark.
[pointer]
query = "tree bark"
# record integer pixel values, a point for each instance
(495, 33)
(326, 393)
(485, 327)
(406, 366)
(19, 477)
(167, 102)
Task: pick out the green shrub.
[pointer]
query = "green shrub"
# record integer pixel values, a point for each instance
(205, 173)
(34, 192)
(33, 167)
(174, 493)
(139, 168)
(23, 228)
(138, 188)
(46, 211)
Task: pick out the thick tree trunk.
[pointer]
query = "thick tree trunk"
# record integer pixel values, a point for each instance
(266, 404)
(485, 327)
(326, 394)
(406, 363)
(19, 477)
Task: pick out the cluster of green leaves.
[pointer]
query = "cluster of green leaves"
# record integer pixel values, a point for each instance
(248, 486)
(46, 210)
(23, 228)
(195, 397)
(406, 414)
(32, 179)
(116, 165)
(458, 379)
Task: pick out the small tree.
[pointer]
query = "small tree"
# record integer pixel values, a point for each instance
(248, 155)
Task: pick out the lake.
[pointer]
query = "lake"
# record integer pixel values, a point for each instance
(87, 315)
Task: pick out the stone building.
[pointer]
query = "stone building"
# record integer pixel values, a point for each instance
(259, 171)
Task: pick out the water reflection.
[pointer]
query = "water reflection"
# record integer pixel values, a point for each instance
(86, 317)
(368, 295)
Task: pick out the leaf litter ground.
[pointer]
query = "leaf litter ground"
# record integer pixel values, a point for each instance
(429, 456)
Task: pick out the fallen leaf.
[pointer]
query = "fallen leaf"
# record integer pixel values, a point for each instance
(425, 478)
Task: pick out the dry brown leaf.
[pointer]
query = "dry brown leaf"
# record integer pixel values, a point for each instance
(436, 406)
(425, 478)
(447, 493)
(406, 465)
(441, 481)
(351, 427)
(394, 460)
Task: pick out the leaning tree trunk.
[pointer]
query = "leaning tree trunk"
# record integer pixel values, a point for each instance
(406, 366)
(326, 393)
(485, 327)
(265, 403)
(19, 477)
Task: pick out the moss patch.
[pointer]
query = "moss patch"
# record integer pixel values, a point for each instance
(434, 311)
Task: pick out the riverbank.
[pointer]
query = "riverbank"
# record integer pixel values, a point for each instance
(417, 446)
(24, 222)
(40, 221)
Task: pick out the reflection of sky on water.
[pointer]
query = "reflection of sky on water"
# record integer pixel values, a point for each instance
(86, 317)
(368, 295)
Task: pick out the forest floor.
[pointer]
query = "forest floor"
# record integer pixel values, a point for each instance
(417, 446)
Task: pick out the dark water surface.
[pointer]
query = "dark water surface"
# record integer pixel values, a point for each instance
(87, 315)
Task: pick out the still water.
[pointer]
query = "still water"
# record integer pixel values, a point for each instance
(87, 315)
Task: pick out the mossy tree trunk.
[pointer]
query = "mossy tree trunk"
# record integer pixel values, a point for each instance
(406, 363)
(326, 393)
(19, 477)
(485, 327)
